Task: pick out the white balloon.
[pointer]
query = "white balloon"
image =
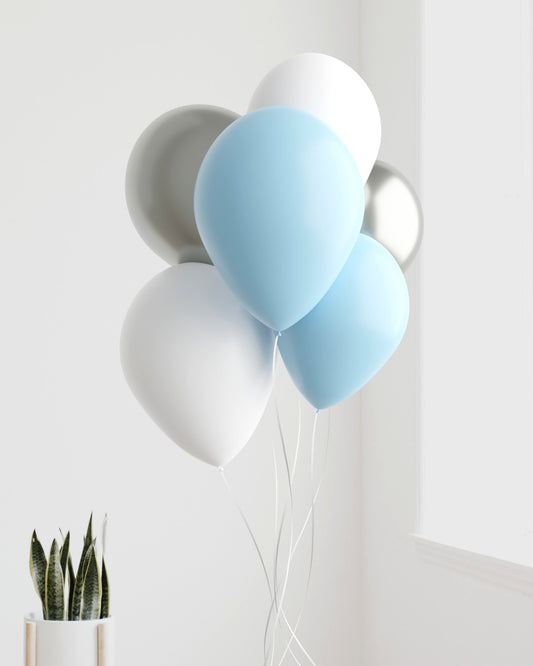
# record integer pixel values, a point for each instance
(331, 90)
(198, 363)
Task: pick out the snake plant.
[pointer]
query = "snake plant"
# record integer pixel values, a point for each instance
(88, 588)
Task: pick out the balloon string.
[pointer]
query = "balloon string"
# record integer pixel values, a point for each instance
(241, 512)
(291, 555)
(315, 497)
(274, 602)
(276, 489)
(254, 540)
(279, 602)
(295, 460)
(311, 555)
(312, 549)
(297, 439)
(274, 355)
(252, 536)
(283, 615)
(310, 515)
(276, 492)
(274, 587)
(250, 531)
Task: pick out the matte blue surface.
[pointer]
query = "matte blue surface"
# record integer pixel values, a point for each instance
(279, 204)
(341, 344)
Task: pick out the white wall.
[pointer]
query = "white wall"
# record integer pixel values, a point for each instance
(80, 82)
(416, 613)
(477, 287)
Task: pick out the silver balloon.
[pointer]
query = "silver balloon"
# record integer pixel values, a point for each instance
(161, 176)
(393, 215)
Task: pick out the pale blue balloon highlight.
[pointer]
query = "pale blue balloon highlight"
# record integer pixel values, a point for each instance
(279, 204)
(343, 342)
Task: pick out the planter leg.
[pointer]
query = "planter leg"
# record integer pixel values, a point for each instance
(104, 646)
(31, 635)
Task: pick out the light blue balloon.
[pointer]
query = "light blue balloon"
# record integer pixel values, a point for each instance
(279, 204)
(343, 342)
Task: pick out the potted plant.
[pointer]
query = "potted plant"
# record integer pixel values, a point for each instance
(74, 628)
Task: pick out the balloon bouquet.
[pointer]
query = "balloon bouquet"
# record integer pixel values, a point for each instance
(263, 220)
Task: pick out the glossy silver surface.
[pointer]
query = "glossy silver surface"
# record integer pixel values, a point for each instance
(161, 176)
(393, 214)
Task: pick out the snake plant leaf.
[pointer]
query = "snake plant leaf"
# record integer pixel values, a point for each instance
(92, 546)
(75, 595)
(89, 535)
(92, 589)
(80, 577)
(38, 569)
(104, 608)
(71, 583)
(54, 586)
(88, 589)
(86, 545)
(64, 555)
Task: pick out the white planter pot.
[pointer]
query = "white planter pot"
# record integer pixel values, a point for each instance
(81, 643)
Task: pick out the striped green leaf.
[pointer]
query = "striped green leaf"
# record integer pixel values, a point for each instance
(80, 577)
(75, 592)
(38, 569)
(89, 535)
(104, 609)
(71, 584)
(54, 586)
(88, 590)
(64, 555)
(92, 589)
